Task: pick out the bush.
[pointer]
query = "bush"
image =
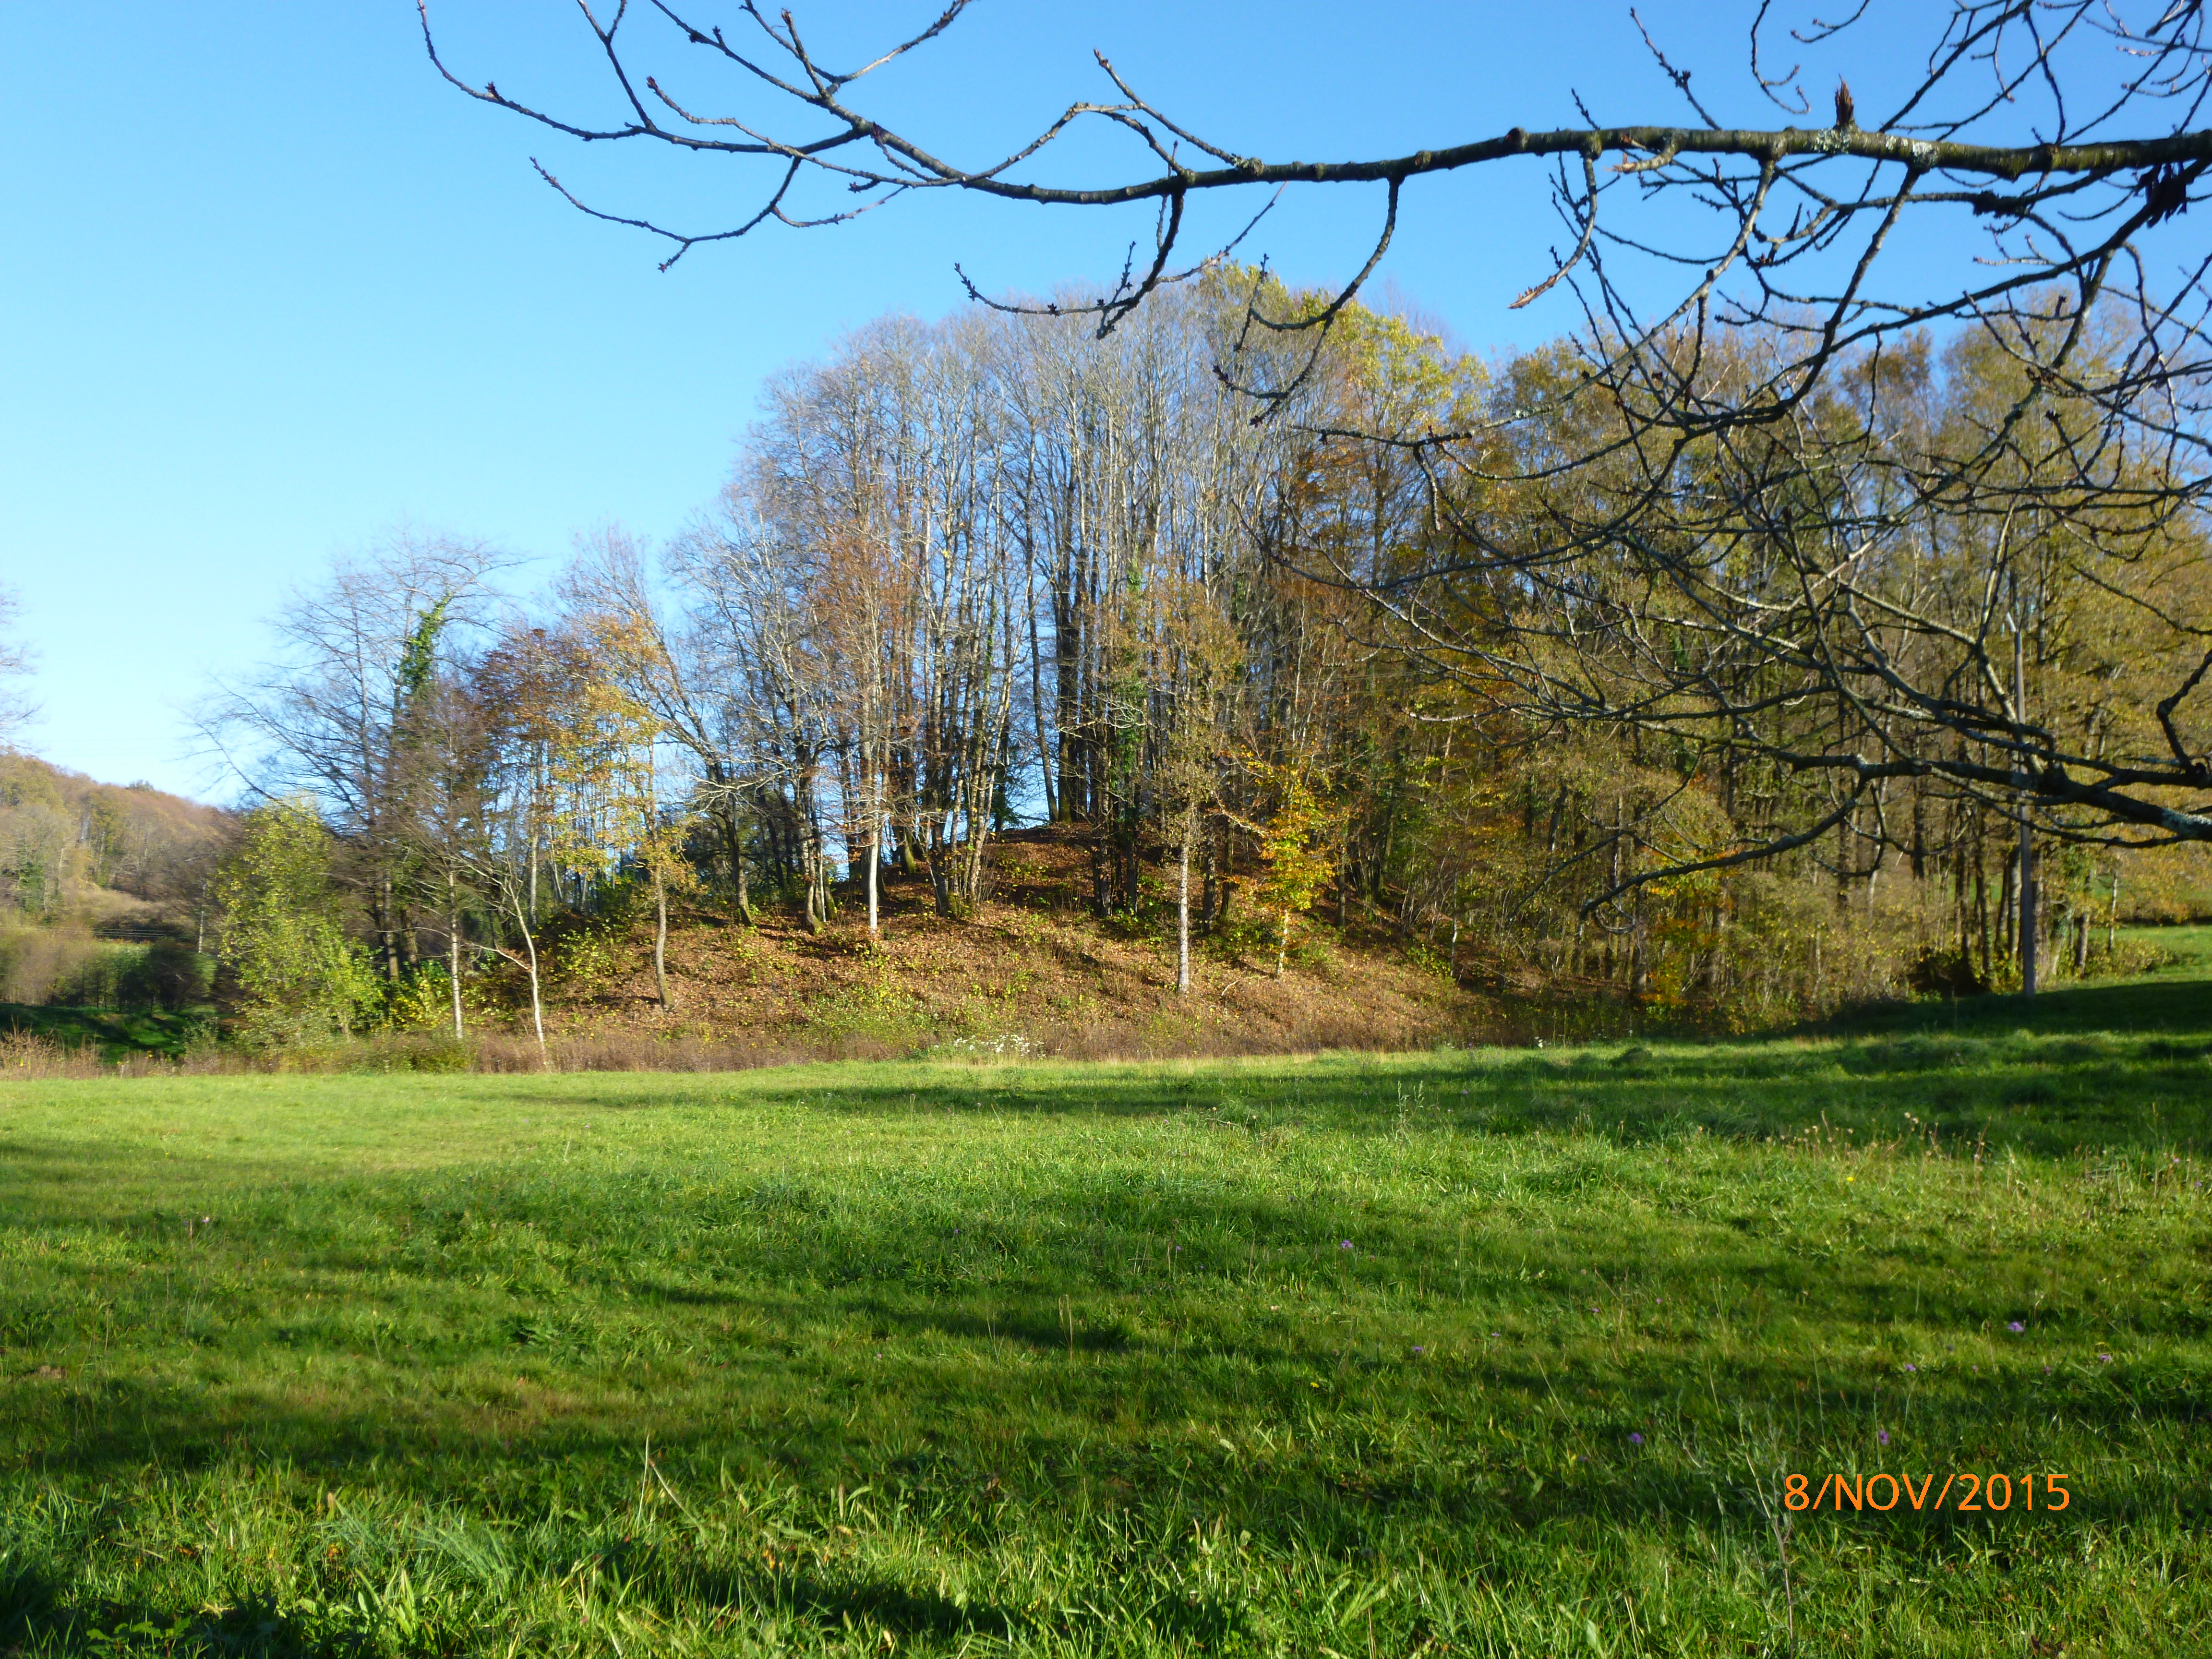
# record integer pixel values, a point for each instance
(299, 979)
(424, 1001)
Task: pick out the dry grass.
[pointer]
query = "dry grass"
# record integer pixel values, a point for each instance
(1033, 970)
(1032, 973)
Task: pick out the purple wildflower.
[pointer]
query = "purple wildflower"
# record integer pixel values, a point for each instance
(1882, 1434)
(2106, 1358)
(1912, 1368)
(1344, 1245)
(1634, 1439)
(2017, 1327)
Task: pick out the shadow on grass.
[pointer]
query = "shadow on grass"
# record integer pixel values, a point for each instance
(2045, 1095)
(2154, 1004)
(1338, 1497)
(116, 1034)
(250, 1623)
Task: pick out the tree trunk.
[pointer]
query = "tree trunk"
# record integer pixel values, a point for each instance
(387, 937)
(875, 865)
(1101, 879)
(453, 950)
(940, 874)
(1209, 898)
(2028, 918)
(1283, 942)
(537, 1007)
(812, 856)
(659, 941)
(1182, 912)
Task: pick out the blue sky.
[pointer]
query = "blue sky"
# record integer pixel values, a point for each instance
(269, 288)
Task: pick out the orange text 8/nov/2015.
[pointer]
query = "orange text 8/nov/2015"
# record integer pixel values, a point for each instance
(1961, 1493)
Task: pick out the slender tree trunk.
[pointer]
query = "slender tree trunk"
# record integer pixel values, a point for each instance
(876, 857)
(813, 857)
(453, 950)
(1283, 942)
(1982, 915)
(386, 936)
(725, 814)
(537, 1006)
(2009, 907)
(2113, 915)
(940, 874)
(2028, 917)
(660, 939)
(1182, 912)
(1036, 717)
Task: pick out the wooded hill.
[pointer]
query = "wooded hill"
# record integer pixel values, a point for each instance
(1031, 967)
(970, 576)
(93, 877)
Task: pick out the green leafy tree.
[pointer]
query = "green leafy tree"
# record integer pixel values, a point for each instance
(282, 937)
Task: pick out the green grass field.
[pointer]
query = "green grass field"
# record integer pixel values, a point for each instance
(1488, 1352)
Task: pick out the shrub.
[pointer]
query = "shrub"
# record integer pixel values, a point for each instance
(298, 977)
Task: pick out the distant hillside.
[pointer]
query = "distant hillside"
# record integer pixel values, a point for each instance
(87, 866)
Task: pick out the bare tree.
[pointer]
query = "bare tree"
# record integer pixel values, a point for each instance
(1673, 437)
(15, 664)
(2070, 125)
(674, 669)
(439, 831)
(332, 715)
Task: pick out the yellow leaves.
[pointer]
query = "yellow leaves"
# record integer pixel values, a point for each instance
(585, 741)
(1297, 841)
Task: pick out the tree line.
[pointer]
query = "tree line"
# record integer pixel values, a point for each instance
(1555, 711)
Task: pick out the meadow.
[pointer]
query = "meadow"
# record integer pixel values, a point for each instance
(1478, 1352)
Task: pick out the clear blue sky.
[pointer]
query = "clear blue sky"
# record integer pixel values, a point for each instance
(270, 288)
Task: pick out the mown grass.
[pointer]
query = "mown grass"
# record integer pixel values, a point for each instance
(1484, 1352)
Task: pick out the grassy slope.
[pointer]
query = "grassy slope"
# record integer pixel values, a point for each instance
(1061, 1359)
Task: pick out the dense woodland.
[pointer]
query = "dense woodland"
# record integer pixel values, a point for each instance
(1000, 570)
